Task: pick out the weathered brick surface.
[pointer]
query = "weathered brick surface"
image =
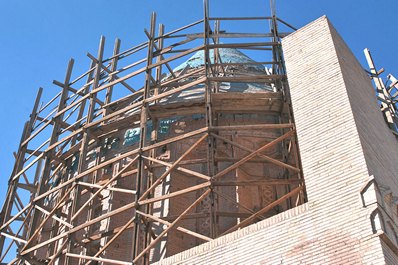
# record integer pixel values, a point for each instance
(343, 142)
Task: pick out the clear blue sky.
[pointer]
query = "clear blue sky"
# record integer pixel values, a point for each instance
(37, 38)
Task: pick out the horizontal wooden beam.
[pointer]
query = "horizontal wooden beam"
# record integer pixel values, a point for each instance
(251, 127)
(258, 182)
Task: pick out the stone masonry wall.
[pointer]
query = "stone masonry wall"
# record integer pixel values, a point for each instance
(335, 226)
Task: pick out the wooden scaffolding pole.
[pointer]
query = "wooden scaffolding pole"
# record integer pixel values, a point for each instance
(141, 176)
(69, 199)
(5, 214)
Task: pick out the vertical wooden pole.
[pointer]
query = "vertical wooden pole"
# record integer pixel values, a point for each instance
(217, 57)
(154, 136)
(32, 196)
(209, 116)
(141, 176)
(91, 107)
(86, 138)
(6, 211)
(274, 32)
(83, 103)
(43, 183)
(158, 59)
(109, 90)
(286, 115)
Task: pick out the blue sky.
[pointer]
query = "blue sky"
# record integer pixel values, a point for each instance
(37, 38)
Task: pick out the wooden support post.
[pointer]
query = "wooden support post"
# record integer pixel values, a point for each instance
(80, 114)
(158, 59)
(109, 90)
(141, 175)
(155, 131)
(43, 183)
(211, 164)
(86, 138)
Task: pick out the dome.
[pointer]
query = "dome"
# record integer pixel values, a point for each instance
(242, 66)
(227, 55)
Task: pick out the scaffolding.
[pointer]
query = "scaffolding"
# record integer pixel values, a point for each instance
(108, 173)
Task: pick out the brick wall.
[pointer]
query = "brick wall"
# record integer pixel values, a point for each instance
(341, 147)
(380, 146)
